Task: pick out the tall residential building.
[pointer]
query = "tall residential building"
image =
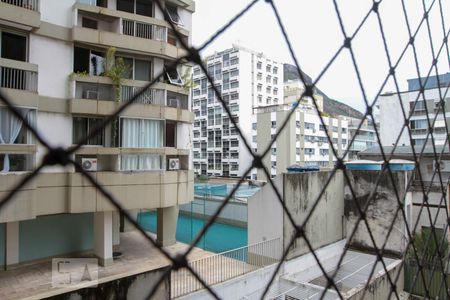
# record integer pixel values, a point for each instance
(391, 116)
(293, 90)
(303, 140)
(365, 136)
(54, 58)
(246, 79)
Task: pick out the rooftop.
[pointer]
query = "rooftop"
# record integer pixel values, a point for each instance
(404, 151)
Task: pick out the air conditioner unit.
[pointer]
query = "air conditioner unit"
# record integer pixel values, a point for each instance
(444, 166)
(174, 164)
(89, 164)
(90, 95)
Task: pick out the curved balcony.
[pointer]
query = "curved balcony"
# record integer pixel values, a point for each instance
(125, 31)
(95, 95)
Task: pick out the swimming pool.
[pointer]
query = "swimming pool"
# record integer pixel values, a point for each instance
(219, 237)
(223, 190)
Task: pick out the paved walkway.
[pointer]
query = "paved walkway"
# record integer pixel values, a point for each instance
(33, 280)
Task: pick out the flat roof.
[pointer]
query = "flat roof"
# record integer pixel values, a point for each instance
(405, 151)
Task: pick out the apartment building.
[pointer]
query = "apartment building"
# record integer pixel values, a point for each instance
(391, 115)
(246, 79)
(303, 140)
(53, 65)
(365, 136)
(294, 89)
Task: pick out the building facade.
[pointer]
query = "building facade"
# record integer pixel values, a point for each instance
(428, 103)
(303, 140)
(365, 136)
(55, 58)
(246, 79)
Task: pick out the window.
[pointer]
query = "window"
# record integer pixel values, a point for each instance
(173, 76)
(323, 152)
(418, 124)
(254, 139)
(234, 84)
(137, 69)
(310, 151)
(259, 76)
(310, 126)
(268, 90)
(141, 133)
(234, 61)
(140, 7)
(172, 11)
(275, 70)
(226, 59)
(171, 134)
(196, 71)
(268, 78)
(89, 61)
(275, 80)
(13, 46)
(268, 68)
(254, 126)
(82, 126)
(89, 23)
(275, 91)
(274, 124)
(259, 65)
(234, 73)
(226, 80)
(259, 87)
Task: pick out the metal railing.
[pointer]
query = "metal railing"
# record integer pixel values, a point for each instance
(18, 79)
(149, 96)
(144, 30)
(226, 265)
(28, 4)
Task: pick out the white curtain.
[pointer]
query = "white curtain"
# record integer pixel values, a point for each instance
(141, 133)
(10, 127)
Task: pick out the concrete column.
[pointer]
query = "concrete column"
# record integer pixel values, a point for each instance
(103, 237)
(12, 243)
(167, 225)
(116, 228)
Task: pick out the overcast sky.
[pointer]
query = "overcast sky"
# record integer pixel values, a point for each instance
(315, 33)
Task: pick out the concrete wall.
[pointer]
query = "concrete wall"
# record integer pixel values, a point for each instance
(55, 235)
(134, 287)
(265, 214)
(325, 225)
(390, 114)
(381, 210)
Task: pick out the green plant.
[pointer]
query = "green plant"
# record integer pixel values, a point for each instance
(78, 74)
(115, 69)
(202, 178)
(427, 245)
(188, 82)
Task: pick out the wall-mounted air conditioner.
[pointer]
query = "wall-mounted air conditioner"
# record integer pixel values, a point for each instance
(90, 95)
(89, 164)
(174, 164)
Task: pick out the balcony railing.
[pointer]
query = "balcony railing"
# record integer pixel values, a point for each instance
(27, 4)
(226, 265)
(144, 30)
(18, 75)
(149, 96)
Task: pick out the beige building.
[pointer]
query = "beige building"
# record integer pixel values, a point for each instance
(52, 65)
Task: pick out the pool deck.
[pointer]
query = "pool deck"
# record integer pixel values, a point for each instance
(34, 280)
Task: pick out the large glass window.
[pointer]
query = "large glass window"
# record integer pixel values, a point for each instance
(82, 126)
(141, 133)
(13, 46)
(88, 61)
(140, 7)
(172, 11)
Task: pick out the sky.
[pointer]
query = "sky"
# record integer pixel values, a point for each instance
(316, 35)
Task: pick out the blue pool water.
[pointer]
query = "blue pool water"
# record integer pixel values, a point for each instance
(223, 190)
(219, 237)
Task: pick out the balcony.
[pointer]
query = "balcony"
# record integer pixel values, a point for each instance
(95, 95)
(19, 81)
(123, 30)
(54, 193)
(25, 13)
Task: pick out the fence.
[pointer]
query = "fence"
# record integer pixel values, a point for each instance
(144, 30)
(241, 262)
(434, 280)
(19, 79)
(226, 265)
(139, 95)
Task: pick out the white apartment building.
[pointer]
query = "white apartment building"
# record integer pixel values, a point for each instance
(365, 136)
(303, 141)
(246, 79)
(52, 66)
(391, 116)
(294, 89)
